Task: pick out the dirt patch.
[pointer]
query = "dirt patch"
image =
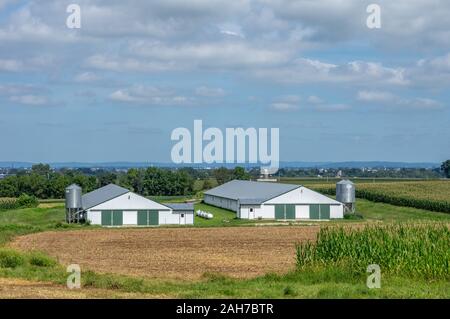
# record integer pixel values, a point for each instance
(240, 252)
(11, 288)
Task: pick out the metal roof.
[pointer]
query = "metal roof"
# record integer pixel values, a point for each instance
(251, 192)
(180, 206)
(102, 195)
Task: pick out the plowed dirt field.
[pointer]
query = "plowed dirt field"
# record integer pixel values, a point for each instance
(174, 253)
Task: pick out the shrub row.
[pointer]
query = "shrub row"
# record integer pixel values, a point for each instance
(13, 259)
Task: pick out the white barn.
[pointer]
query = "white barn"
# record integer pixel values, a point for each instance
(113, 205)
(264, 200)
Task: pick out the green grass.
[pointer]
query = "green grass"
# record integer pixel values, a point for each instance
(24, 221)
(372, 211)
(33, 216)
(310, 283)
(222, 217)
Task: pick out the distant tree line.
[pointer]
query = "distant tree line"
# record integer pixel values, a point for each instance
(362, 173)
(43, 182)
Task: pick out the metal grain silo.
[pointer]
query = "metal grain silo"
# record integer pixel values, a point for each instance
(345, 193)
(73, 203)
(73, 196)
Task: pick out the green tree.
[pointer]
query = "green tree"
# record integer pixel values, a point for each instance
(41, 169)
(9, 187)
(222, 175)
(207, 184)
(240, 173)
(446, 168)
(106, 178)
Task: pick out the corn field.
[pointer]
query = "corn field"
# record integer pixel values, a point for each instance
(8, 203)
(420, 250)
(429, 195)
(22, 201)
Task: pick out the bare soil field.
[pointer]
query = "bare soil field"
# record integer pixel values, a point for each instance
(11, 288)
(171, 253)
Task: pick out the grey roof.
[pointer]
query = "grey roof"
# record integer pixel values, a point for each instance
(248, 192)
(102, 195)
(180, 206)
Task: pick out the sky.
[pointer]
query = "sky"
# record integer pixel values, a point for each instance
(114, 89)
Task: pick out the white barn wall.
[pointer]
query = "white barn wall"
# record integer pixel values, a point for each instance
(263, 211)
(190, 219)
(337, 211)
(129, 218)
(95, 217)
(168, 218)
(302, 211)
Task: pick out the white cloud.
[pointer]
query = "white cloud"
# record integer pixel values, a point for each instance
(231, 29)
(314, 99)
(391, 100)
(26, 94)
(289, 103)
(121, 64)
(4, 3)
(19, 89)
(11, 65)
(284, 107)
(315, 71)
(30, 99)
(149, 95)
(213, 55)
(375, 96)
(249, 39)
(86, 77)
(209, 92)
(332, 107)
(421, 103)
(25, 65)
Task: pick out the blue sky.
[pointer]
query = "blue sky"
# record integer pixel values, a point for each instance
(116, 88)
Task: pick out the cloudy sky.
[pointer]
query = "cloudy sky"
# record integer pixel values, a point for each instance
(116, 88)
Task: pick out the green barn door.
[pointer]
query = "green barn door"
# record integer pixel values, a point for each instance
(324, 211)
(117, 218)
(314, 211)
(142, 218)
(290, 211)
(153, 218)
(279, 211)
(106, 218)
